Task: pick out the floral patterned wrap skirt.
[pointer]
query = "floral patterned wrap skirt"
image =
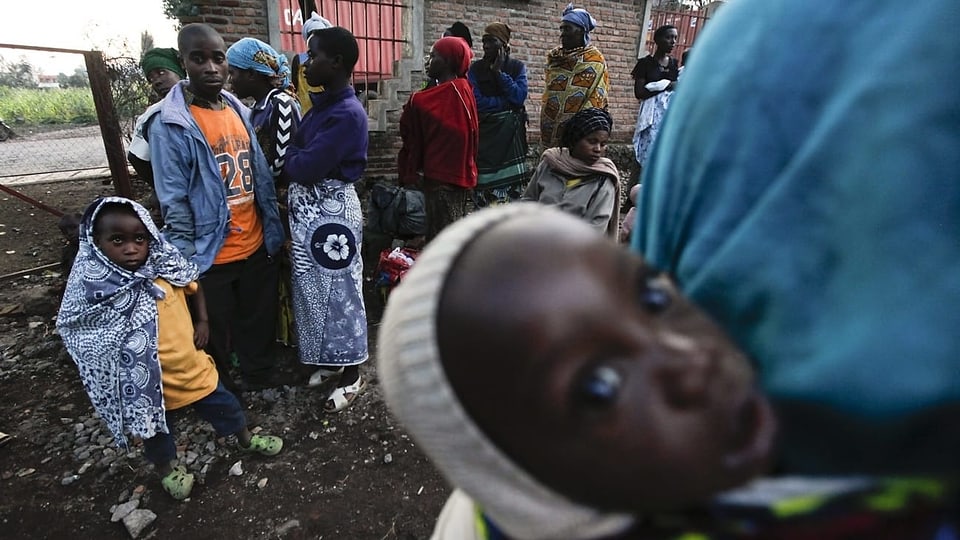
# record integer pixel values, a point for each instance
(327, 273)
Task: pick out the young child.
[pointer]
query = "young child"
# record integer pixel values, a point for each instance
(576, 177)
(440, 131)
(126, 323)
(630, 219)
(69, 225)
(327, 156)
(587, 399)
(613, 398)
(220, 207)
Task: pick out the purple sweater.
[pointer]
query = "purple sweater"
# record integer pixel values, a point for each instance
(332, 140)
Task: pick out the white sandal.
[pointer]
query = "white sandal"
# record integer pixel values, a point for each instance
(344, 396)
(325, 379)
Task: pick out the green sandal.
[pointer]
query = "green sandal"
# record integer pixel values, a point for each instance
(266, 445)
(179, 483)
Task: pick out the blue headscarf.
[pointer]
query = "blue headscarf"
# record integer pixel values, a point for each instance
(581, 18)
(250, 53)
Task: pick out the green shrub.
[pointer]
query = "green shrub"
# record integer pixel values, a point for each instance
(47, 106)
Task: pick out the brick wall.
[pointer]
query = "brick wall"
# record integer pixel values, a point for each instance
(234, 19)
(535, 25)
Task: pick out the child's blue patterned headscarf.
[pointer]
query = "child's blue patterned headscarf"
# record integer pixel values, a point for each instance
(251, 53)
(108, 323)
(581, 18)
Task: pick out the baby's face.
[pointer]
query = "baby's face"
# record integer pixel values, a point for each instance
(593, 374)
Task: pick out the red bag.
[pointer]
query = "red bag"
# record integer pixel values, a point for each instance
(391, 267)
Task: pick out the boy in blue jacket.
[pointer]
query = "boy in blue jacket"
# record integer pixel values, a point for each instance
(220, 207)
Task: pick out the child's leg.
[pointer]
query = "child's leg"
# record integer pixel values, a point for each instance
(222, 410)
(161, 450)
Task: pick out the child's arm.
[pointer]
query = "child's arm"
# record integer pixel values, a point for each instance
(201, 325)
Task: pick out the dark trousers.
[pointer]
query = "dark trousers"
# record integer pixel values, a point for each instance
(242, 307)
(220, 408)
(444, 204)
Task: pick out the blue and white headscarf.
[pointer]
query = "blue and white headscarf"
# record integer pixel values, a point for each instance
(251, 53)
(581, 18)
(108, 323)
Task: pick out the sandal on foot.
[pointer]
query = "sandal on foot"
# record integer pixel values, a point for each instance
(178, 483)
(266, 445)
(325, 380)
(344, 396)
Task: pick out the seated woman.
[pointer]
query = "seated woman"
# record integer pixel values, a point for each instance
(577, 177)
(500, 88)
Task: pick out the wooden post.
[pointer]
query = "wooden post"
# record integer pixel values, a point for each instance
(109, 125)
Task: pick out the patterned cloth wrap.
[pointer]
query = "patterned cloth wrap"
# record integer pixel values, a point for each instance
(327, 273)
(251, 53)
(108, 323)
(576, 79)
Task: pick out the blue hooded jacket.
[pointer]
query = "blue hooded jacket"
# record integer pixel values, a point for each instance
(190, 187)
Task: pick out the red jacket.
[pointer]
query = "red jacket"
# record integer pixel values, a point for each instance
(440, 135)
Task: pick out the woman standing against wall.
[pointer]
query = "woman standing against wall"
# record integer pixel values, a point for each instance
(654, 78)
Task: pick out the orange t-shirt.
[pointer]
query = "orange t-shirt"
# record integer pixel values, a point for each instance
(230, 143)
(188, 374)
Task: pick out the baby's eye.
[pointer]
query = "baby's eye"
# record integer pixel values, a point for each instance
(600, 386)
(141, 239)
(116, 240)
(654, 299)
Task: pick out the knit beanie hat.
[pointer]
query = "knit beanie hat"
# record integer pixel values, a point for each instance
(162, 58)
(498, 30)
(418, 392)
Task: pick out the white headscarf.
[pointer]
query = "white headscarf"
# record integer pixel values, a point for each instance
(315, 22)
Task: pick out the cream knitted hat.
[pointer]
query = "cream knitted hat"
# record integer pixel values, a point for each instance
(419, 394)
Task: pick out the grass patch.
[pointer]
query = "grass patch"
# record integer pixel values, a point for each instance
(47, 106)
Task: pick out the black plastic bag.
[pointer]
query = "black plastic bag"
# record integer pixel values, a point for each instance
(396, 211)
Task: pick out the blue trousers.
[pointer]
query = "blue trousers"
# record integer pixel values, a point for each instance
(220, 408)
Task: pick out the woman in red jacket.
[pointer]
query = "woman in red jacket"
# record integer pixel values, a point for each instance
(440, 136)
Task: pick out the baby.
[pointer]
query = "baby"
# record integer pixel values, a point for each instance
(582, 392)
(125, 321)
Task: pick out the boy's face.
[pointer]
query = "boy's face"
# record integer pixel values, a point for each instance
(591, 147)
(205, 60)
(123, 238)
(593, 374)
(321, 68)
(162, 80)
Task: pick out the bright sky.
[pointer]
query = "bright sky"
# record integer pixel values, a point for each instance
(113, 26)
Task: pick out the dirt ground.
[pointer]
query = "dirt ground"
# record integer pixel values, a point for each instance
(354, 475)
